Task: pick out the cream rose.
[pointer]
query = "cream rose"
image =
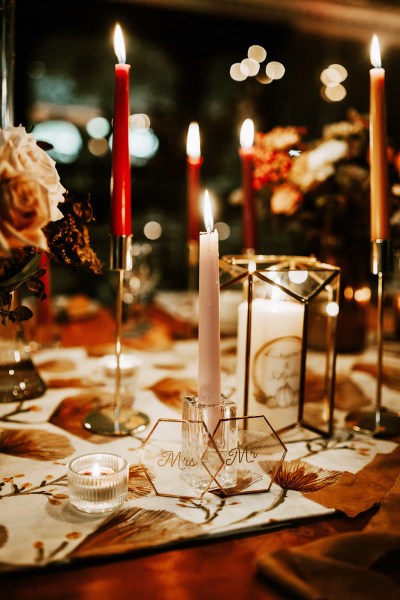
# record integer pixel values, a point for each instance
(30, 191)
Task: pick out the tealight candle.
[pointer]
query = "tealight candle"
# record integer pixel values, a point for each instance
(128, 364)
(97, 483)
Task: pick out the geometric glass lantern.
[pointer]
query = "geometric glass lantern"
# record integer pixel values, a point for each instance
(286, 324)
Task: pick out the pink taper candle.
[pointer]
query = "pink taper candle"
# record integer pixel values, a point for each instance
(246, 154)
(378, 148)
(121, 220)
(209, 321)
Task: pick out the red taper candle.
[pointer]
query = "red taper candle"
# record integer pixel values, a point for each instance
(194, 162)
(246, 154)
(121, 218)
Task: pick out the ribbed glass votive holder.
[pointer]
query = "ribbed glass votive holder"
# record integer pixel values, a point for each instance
(98, 482)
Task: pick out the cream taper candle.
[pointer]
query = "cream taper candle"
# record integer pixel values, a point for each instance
(209, 321)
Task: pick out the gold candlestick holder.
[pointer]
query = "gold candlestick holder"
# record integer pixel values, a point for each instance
(118, 420)
(379, 422)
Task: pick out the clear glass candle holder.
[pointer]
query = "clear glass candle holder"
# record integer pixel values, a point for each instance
(97, 483)
(197, 451)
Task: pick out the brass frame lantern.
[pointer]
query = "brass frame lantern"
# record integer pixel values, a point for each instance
(286, 324)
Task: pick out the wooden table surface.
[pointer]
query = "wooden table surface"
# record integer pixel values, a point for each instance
(213, 571)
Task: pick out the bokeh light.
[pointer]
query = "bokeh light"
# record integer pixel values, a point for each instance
(224, 231)
(236, 72)
(63, 136)
(143, 145)
(341, 70)
(252, 66)
(275, 70)
(98, 127)
(263, 78)
(335, 93)
(256, 52)
(330, 77)
(98, 146)
(332, 309)
(139, 121)
(298, 276)
(152, 230)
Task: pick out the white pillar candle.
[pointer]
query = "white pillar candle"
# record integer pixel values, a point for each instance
(274, 359)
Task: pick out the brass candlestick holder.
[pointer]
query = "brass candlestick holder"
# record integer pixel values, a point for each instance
(118, 420)
(380, 422)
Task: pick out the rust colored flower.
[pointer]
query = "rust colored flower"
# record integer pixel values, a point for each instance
(68, 238)
(286, 199)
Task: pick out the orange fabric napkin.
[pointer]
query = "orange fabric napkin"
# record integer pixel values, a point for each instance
(348, 566)
(353, 493)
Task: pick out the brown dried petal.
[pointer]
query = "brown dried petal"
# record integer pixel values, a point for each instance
(35, 444)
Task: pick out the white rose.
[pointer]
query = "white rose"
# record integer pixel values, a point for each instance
(327, 153)
(30, 191)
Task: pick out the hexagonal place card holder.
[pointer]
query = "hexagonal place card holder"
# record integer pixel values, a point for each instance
(182, 459)
(253, 461)
(172, 472)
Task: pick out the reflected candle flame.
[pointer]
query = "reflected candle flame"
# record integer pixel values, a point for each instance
(96, 470)
(375, 52)
(119, 45)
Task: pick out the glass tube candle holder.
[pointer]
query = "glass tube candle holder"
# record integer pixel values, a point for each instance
(220, 422)
(289, 310)
(98, 482)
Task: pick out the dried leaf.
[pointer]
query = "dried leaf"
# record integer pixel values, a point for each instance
(301, 476)
(170, 391)
(71, 412)
(348, 395)
(36, 444)
(72, 382)
(390, 375)
(57, 365)
(136, 528)
(138, 484)
(245, 479)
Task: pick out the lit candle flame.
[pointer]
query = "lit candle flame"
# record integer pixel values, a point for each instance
(193, 141)
(375, 52)
(247, 134)
(119, 45)
(208, 217)
(96, 470)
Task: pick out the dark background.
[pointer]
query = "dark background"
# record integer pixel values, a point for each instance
(180, 73)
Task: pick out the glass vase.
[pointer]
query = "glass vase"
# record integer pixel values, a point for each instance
(19, 377)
